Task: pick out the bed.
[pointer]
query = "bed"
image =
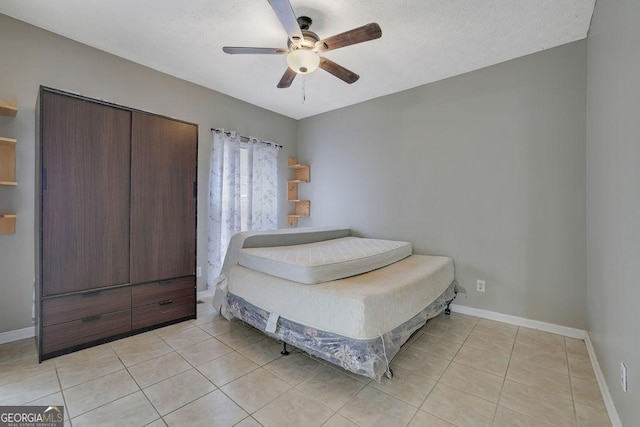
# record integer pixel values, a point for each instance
(350, 301)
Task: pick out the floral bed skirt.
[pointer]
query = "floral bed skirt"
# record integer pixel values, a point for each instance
(364, 357)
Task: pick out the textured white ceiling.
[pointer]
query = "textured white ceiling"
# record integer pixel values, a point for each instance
(422, 41)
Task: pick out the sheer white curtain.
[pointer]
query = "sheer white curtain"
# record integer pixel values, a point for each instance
(243, 185)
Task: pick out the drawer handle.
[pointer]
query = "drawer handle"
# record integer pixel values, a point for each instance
(165, 282)
(91, 318)
(91, 294)
(166, 302)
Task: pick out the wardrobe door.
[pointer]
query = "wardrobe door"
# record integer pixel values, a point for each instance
(163, 200)
(85, 194)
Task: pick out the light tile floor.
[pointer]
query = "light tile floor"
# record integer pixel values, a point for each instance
(457, 371)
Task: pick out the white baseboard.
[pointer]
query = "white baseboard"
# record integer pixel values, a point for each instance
(18, 334)
(520, 321)
(604, 388)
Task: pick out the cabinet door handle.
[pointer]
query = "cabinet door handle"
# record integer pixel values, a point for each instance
(91, 294)
(91, 318)
(165, 282)
(166, 302)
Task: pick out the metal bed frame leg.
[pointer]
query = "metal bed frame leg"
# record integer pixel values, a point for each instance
(447, 310)
(389, 373)
(284, 352)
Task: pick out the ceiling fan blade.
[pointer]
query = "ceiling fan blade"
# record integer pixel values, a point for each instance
(357, 35)
(258, 50)
(287, 79)
(338, 70)
(287, 18)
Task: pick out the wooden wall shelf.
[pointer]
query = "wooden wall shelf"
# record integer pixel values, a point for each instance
(302, 175)
(8, 223)
(9, 108)
(7, 161)
(302, 171)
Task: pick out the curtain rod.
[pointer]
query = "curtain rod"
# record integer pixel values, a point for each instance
(247, 138)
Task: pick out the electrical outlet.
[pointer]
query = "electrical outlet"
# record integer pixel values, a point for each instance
(623, 377)
(198, 271)
(480, 285)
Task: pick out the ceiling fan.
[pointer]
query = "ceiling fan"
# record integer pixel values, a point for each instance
(304, 46)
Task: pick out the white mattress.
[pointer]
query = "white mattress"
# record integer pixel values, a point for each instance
(326, 260)
(360, 307)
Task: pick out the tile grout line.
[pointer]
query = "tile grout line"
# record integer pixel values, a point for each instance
(573, 399)
(64, 399)
(322, 403)
(527, 385)
(536, 388)
(495, 411)
(186, 404)
(126, 368)
(216, 388)
(244, 375)
(445, 370)
(504, 379)
(438, 380)
(107, 403)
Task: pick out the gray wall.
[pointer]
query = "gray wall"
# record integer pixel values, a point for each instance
(31, 57)
(613, 197)
(487, 167)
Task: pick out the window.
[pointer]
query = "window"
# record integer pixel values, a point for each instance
(243, 192)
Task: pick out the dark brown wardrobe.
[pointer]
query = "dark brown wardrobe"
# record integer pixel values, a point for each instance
(116, 218)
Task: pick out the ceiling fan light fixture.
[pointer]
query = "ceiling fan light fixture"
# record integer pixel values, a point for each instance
(303, 45)
(303, 61)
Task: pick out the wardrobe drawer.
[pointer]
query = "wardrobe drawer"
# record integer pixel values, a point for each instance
(87, 329)
(153, 293)
(78, 306)
(163, 311)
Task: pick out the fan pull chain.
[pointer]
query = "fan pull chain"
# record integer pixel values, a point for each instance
(304, 88)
